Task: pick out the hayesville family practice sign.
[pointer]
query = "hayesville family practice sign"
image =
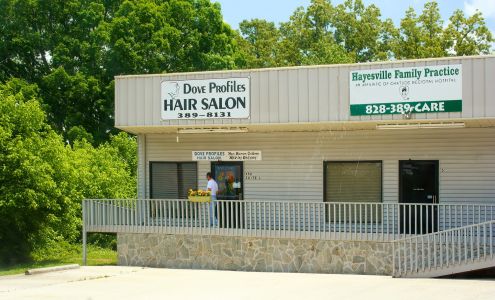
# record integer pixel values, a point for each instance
(226, 155)
(428, 89)
(224, 98)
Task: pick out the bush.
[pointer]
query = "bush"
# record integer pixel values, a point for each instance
(43, 180)
(103, 240)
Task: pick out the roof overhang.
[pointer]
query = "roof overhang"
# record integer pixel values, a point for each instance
(312, 127)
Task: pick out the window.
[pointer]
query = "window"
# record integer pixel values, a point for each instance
(172, 180)
(353, 181)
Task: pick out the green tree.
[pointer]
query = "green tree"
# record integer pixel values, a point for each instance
(38, 36)
(425, 36)
(169, 36)
(77, 100)
(432, 35)
(468, 35)
(408, 44)
(30, 156)
(44, 41)
(73, 49)
(353, 32)
(421, 36)
(359, 29)
(261, 39)
(43, 180)
(306, 38)
(125, 146)
(321, 34)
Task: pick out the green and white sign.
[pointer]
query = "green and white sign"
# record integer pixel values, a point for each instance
(429, 89)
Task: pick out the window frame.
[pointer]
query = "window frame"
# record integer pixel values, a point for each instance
(326, 162)
(150, 173)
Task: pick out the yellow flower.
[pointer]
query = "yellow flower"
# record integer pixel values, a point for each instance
(202, 193)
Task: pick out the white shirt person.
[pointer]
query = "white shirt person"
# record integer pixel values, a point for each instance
(212, 186)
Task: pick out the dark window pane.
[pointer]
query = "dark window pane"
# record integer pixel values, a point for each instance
(188, 178)
(353, 182)
(172, 180)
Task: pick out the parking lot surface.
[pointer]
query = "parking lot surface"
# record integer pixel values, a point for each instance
(114, 282)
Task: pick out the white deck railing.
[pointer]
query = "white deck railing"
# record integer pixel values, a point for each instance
(445, 252)
(422, 232)
(349, 221)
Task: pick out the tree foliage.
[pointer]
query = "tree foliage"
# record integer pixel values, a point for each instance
(259, 41)
(324, 33)
(426, 36)
(73, 49)
(307, 40)
(168, 36)
(468, 35)
(43, 180)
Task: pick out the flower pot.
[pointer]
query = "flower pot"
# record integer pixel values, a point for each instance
(199, 198)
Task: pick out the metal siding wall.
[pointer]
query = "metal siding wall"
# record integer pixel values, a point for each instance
(132, 99)
(292, 165)
(283, 94)
(323, 94)
(490, 88)
(255, 94)
(264, 98)
(154, 101)
(467, 89)
(298, 95)
(343, 99)
(479, 88)
(139, 106)
(334, 91)
(390, 183)
(313, 96)
(293, 96)
(273, 96)
(303, 96)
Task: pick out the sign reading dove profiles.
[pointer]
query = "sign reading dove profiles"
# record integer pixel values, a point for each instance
(225, 98)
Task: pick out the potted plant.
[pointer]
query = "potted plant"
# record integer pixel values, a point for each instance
(199, 196)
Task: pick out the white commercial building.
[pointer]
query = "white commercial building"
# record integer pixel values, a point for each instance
(397, 154)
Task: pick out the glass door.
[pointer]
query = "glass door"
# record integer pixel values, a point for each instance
(229, 177)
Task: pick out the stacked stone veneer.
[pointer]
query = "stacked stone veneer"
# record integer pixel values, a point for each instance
(254, 254)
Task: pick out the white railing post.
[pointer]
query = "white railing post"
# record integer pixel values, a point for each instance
(443, 250)
(84, 233)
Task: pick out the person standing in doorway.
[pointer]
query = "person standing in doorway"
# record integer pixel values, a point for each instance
(213, 188)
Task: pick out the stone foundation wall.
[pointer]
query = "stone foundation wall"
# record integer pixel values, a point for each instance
(254, 254)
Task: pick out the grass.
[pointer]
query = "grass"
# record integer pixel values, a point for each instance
(62, 254)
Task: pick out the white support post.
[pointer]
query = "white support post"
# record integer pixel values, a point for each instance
(142, 192)
(84, 233)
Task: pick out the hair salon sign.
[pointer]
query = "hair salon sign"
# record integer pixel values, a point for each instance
(236, 155)
(423, 89)
(225, 98)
